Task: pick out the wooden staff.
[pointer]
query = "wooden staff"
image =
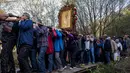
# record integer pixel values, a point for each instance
(7, 17)
(13, 19)
(3, 16)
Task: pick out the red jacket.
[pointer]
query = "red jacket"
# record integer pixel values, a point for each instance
(50, 49)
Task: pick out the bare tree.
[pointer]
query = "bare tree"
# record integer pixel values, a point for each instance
(46, 10)
(94, 14)
(98, 14)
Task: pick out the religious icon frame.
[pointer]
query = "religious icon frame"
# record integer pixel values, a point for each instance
(66, 17)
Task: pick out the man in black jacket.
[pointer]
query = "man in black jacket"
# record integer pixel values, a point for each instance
(108, 49)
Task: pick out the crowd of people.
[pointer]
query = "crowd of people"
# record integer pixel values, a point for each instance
(43, 49)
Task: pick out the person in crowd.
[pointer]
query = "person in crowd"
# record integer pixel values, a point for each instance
(119, 45)
(42, 44)
(87, 48)
(64, 51)
(80, 41)
(113, 47)
(58, 47)
(118, 50)
(92, 48)
(124, 44)
(121, 40)
(127, 42)
(98, 50)
(107, 48)
(102, 56)
(50, 50)
(66, 47)
(34, 51)
(9, 39)
(80, 53)
(83, 49)
(25, 42)
(74, 48)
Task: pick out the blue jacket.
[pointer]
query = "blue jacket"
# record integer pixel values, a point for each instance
(25, 32)
(58, 43)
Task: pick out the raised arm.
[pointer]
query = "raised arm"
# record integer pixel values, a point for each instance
(3, 16)
(26, 24)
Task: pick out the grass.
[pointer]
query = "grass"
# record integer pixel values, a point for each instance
(109, 68)
(123, 66)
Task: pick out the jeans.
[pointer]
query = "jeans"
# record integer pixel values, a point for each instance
(58, 60)
(41, 60)
(97, 55)
(88, 57)
(82, 52)
(79, 57)
(107, 55)
(23, 56)
(98, 52)
(50, 64)
(92, 55)
(73, 58)
(33, 55)
(63, 57)
(7, 59)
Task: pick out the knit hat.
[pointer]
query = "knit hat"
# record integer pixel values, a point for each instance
(27, 15)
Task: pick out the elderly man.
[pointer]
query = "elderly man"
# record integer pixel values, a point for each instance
(25, 42)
